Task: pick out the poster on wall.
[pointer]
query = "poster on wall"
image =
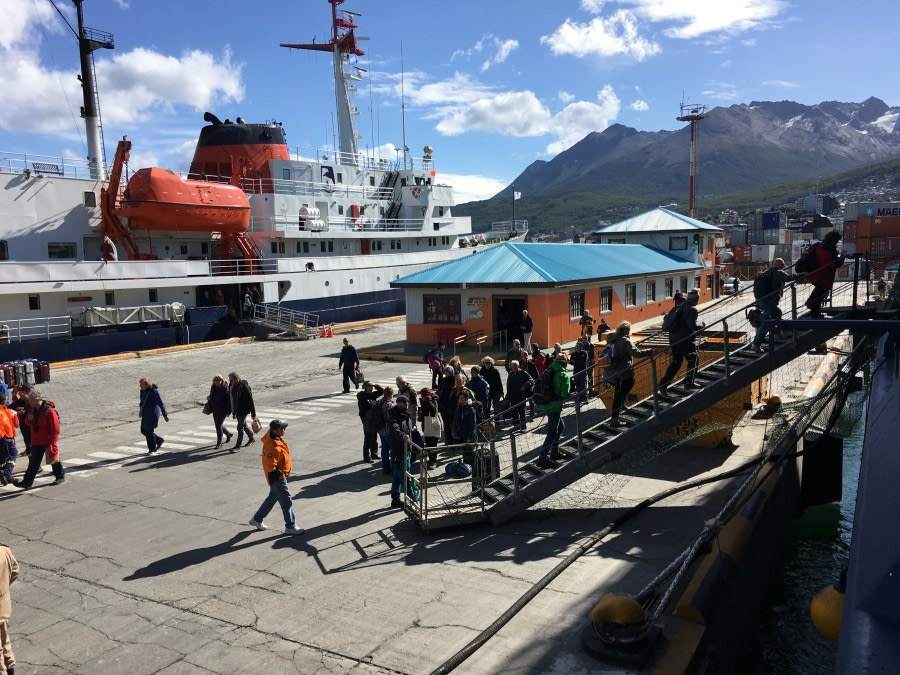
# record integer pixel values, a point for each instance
(475, 307)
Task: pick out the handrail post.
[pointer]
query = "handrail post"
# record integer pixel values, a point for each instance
(653, 382)
(726, 347)
(794, 315)
(515, 463)
(578, 425)
(855, 281)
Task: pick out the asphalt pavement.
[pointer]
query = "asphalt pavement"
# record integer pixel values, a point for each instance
(144, 564)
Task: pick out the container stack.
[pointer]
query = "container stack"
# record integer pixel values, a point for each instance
(26, 371)
(874, 229)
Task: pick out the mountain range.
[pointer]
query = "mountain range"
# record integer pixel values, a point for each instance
(739, 148)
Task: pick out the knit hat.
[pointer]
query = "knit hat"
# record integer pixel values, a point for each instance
(694, 294)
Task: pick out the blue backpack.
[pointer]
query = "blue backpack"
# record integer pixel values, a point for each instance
(673, 318)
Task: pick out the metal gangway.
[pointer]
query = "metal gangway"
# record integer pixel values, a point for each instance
(293, 323)
(507, 479)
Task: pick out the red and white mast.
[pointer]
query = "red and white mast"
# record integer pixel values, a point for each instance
(692, 113)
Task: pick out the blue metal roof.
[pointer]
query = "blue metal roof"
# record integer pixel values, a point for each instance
(513, 264)
(657, 220)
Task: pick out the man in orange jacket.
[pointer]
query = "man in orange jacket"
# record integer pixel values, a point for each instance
(276, 462)
(9, 422)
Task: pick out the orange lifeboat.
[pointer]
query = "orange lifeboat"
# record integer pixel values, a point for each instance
(159, 199)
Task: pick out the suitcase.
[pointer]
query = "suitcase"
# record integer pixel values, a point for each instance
(20, 373)
(9, 374)
(29, 372)
(44, 368)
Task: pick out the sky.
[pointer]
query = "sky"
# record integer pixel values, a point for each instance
(490, 86)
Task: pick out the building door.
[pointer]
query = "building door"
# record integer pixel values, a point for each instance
(508, 314)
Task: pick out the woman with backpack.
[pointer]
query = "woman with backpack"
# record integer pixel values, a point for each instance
(820, 264)
(432, 426)
(150, 408)
(621, 358)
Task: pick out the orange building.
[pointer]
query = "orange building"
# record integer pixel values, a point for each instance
(486, 292)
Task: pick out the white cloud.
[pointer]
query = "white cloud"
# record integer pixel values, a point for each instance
(749, 42)
(565, 97)
(497, 50)
(123, 4)
(592, 6)
(471, 188)
(133, 84)
(611, 36)
(703, 17)
(782, 83)
(722, 91)
(518, 113)
(577, 120)
(640, 105)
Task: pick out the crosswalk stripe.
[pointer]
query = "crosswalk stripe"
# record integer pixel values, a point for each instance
(211, 434)
(286, 414)
(109, 455)
(178, 446)
(131, 448)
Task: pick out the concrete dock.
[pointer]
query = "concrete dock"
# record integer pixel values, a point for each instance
(144, 564)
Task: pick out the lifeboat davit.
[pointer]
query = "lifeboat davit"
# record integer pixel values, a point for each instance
(159, 199)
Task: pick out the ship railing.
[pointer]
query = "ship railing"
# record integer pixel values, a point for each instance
(243, 267)
(509, 226)
(345, 223)
(274, 315)
(44, 328)
(43, 165)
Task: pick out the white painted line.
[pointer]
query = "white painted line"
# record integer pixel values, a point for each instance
(178, 446)
(109, 455)
(133, 449)
(211, 434)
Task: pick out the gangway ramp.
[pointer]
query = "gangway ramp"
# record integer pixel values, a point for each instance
(301, 325)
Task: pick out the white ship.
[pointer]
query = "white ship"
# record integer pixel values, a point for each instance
(85, 246)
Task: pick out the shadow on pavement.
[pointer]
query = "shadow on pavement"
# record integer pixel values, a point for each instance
(196, 556)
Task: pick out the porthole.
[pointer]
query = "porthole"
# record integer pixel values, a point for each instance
(351, 281)
(377, 278)
(327, 284)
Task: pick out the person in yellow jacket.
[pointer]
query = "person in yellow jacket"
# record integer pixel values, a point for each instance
(9, 571)
(276, 463)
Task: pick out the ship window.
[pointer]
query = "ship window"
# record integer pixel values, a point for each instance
(432, 241)
(678, 243)
(630, 295)
(605, 300)
(170, 172)
(576, 305)
(340, 177)
(403, 182)
(286, 174)
(442, 309)
(340, 209)
(684, 284)
(670, 287)
(440, 211)
(372, 181)
(277, 247)
(620, 240)
(395, 244)
(302, 247)
(90, 199)
(110, 298)
(183, 249)
(34, 302)
(4, 250)
(445, 240)
(376, 245)
(204, 247)
(651, 291)
(326, 247)
(381, 210)
(62, 250)
(154, 295)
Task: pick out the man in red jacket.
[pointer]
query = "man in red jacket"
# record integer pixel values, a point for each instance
(822, 276)
(44, 424)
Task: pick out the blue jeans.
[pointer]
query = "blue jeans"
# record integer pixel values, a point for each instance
(8, 454)
(770, 312)
(385, 454)
(555, 427)
(278, 492)
(397, 475)
(243, 428)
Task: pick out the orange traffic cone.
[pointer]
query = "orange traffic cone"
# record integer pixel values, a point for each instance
(324, 331)
(330, 330)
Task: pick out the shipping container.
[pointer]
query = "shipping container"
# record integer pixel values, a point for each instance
(884, 247)
(857, 210)
(849, 232)
(742, 253)
(885, 226)
(738, 236)
(773, 220)
(763, 253)
(783, 251)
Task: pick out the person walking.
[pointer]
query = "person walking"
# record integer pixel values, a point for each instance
(150, 409)
(736, 285)
(683, 344)
(248, 304)
(21, 406)
(220, 403)
(587, 323)
(562, 389)
(435, 360)
(432, 425)
(519, 386)
(827, 260)
(9, 572)
(370, 416)
(527, 328)
(384, 405)
(276, 464)
(771, 284)
(9, 421)
(349, 363)
(401, 434)
(621, 362)
(591, 361)
(44, 425)
(242, 406)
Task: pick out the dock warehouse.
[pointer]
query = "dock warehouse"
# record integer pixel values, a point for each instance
(556, 283)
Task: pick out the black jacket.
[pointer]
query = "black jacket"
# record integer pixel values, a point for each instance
(527, 325)
(365, 400)
(349, 357)
(242, 399)
(400, 425)
(493, 378)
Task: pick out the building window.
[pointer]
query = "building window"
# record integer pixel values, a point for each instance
(697, 281)
(576, 305)
(617, 240)
(442, 309)
(709, 282)
(684, 284)
(154, 295)
(630, 295)
(110, 298)
(605, 300)
(34, 302)
(4, 251)
(678, 243)
(651, 291)
(90, 199)
(670, 288)
(62, 251)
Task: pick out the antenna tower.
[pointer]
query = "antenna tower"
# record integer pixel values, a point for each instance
(693, 113)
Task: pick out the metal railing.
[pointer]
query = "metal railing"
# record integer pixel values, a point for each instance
(40, 165)
(242, 266)
(275, 315)
(462, 339)
(509, 226)
(19, 330)
(432, 228)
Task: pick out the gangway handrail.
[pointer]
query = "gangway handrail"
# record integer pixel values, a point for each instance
(461, 339)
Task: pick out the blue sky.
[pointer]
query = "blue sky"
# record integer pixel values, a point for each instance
(490, 86)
